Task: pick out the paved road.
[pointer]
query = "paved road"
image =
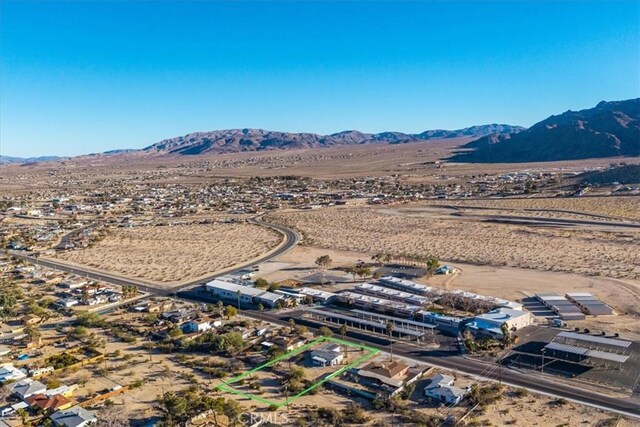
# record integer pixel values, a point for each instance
(447, 360)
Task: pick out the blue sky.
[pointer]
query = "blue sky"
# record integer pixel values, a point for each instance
(79, 77)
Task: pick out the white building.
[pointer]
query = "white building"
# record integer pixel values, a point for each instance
(248, 295)
(196, 325)
(8, 372)
(515, 319)
(441, 389)
(329, 355)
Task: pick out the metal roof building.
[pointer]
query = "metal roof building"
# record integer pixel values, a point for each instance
(392, 294)
(588, 349)
(589, 304)
(561, 306)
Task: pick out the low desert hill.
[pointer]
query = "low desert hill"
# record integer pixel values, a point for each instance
(239, 140)
(623, 174)
(610, 129)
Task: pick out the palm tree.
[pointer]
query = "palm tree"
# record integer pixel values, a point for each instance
(343, 333)
(220, 306)
(260, 309)
(389, 326)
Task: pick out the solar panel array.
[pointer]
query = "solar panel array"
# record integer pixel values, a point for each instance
(561, 306)
(589, 304)
(596, 354)
(612, 342)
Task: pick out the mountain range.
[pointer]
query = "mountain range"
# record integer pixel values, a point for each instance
(610, 129)
(25, 160)
(237, 140)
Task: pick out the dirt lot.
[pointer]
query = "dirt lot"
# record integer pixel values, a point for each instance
(177, 253)
(577, 249)
(562, 207)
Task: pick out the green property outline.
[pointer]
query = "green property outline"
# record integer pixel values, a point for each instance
(225, 386)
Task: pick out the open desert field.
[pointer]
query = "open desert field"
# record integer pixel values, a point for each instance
(560, 207)
(173, 254)
(574, 247)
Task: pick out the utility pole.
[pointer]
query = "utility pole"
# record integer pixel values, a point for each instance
(542, 367)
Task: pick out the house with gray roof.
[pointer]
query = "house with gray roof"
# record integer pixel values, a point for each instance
(75, 416)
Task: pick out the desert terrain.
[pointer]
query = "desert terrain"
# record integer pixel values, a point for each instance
(485, 240)
(173, 254)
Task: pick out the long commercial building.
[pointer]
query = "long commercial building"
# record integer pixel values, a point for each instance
(382, 305)
(248, 295)
(392, 294)
(409, 286)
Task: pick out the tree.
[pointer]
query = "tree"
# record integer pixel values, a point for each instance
(7, 305)
(220, 306)
(343, 331)
(261, 283)
(292, 325)
(352, 270)
(230, 311)
(260, 308)
(389, 326)
(324, 261)
(324, 331)
(432, 265)
(32, 333)
(506, 334)
(363, 271)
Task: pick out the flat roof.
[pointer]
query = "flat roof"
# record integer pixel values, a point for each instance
(590, 338)
(393, 319)
(596, 354)
(391, 293)
(332, 314)
(380, 301)
(502, 314)
(232, 287)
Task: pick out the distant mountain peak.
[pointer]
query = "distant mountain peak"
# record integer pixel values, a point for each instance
(610, 129)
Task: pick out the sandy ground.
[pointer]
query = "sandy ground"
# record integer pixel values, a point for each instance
(622, 207)
(542, 411)
(504, 282)
(176, 253)
(576, 249)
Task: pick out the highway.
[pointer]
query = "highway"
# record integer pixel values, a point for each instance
(538, 383)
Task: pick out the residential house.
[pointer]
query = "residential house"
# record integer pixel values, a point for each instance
(289, 343)
(328, 355)
(26, 388)
(387, 377)
(441, 389)
(196, 326)
(8, 372)
(75, 416)
(49, 403)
